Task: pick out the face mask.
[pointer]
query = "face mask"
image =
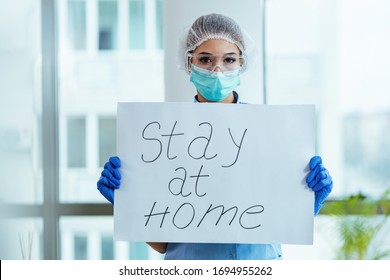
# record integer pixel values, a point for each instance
(214, 86)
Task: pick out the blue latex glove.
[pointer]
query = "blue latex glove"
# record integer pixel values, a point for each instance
(110, 179)
(319, 181)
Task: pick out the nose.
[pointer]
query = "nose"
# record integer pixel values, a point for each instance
(217, 68)
(218, 64)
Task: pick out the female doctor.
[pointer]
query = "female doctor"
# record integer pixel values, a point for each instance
(214, 55)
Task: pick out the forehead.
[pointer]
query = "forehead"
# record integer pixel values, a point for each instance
(217, 46)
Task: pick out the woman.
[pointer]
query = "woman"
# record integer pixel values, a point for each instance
(215, 54)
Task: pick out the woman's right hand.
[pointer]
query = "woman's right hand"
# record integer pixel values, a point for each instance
(110, 178)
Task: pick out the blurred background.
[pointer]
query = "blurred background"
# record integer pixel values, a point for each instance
(64, 65)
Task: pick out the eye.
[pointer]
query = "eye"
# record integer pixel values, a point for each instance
(205, 59)
(230, 60)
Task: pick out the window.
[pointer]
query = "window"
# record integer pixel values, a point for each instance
(138, 250)
(80, 247)
(321, 52)
(107, 139)
(108, 25)
(21, 239)
(366, 148)
(92, 83)
(86, 237)
(107, 248)
(76, 142)
(20, 110)
(77, 25)
(159, 23)
(137, 24)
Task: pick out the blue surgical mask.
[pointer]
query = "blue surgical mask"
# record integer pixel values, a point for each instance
(214, 86)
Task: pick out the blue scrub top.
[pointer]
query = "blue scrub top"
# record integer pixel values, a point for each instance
(221, 251)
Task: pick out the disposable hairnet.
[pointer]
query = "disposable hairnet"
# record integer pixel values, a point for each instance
(214, 26)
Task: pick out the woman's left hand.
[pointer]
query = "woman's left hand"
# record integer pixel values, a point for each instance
(319, 181)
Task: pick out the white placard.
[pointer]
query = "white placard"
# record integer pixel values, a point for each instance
(220, 173)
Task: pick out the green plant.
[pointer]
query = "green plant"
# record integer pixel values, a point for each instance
(359, 221)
